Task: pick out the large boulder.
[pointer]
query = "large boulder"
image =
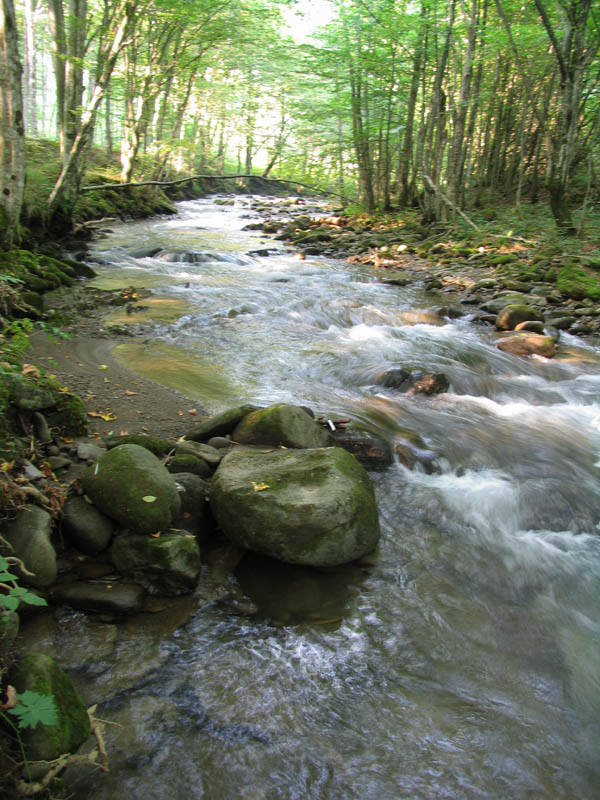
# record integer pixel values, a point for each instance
(169, 564)
(29, 536)
(314, 507)
(130, 485)
(41, 674)
(282, 424)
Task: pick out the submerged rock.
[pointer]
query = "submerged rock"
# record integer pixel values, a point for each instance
(314, 507)
(131, 486)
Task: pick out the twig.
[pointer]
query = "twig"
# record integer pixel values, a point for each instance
(436, 189)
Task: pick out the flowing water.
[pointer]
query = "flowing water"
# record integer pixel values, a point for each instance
(461, 661)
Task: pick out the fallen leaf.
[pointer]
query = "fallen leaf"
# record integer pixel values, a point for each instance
(63, 389)
(30, 369)
(180, 413)
(102, 366)
(123, 432)
(6, 466)
(149, 498)
(155, 535)
(106, 416)
(66, 440)
(260, 487)
(128, 393)
(192, 411)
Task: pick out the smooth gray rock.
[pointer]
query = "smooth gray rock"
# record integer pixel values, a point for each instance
(113, 597)
(89, 452)
(314, 507)
(29, 535)
(87, 528)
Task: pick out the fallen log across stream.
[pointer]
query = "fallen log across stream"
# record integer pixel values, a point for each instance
(259, 178)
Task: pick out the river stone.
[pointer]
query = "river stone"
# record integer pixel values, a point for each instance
(41, 674)
(120, 480)
(313, 507)
(282, 424)
(394, 378)
(29, 536)
(89, 452)
(498, 303)
(101, 596)
(152, 443)
(511, 315)
(167, 565)
(433, 383)
(87, 528)
(528, 344)
(219, 424)
(371, 451)
(531, 325)
(211, 455)
(186, 462)
(194, 493)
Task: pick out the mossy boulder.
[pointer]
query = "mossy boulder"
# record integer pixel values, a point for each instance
(314, 507)
(169, 564)
(188, 463)
(574, 282)
(41, 674)
(130, 485)
(282, 424)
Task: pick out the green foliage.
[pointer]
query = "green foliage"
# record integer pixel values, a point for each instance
(34, 709)
(11, 594)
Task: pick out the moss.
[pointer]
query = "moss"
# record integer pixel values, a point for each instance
(501, 259)
(152, 443)
(40, 673)
(70, 414)
(572, 281)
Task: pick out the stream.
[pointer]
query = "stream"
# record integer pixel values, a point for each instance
(461, 660)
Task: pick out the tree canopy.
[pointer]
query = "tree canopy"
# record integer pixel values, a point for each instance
(440, 104)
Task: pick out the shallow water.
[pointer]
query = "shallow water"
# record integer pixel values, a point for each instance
(461, 661)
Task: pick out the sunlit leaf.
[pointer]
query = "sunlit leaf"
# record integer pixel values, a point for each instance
(260, 487)
(149, 498)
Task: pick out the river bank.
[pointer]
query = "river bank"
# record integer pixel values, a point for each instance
(485, 573)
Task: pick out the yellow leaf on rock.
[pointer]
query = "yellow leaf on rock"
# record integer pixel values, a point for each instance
(260, 487)
(31, 370)
(102, 366)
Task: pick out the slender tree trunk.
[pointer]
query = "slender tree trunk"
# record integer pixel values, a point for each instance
(12, 130)
(66, 188)
(30, 77)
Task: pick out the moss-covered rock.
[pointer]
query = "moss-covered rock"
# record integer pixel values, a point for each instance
(41, 674)
(167, 565)
(220, 424)
(130, 485)
(574, 282)
(314, 507)
(186, 462)
(69, 414)
(282, 424)
(152, 443)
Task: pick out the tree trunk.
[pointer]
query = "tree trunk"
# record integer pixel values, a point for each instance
(12, 131)
(65, 191)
